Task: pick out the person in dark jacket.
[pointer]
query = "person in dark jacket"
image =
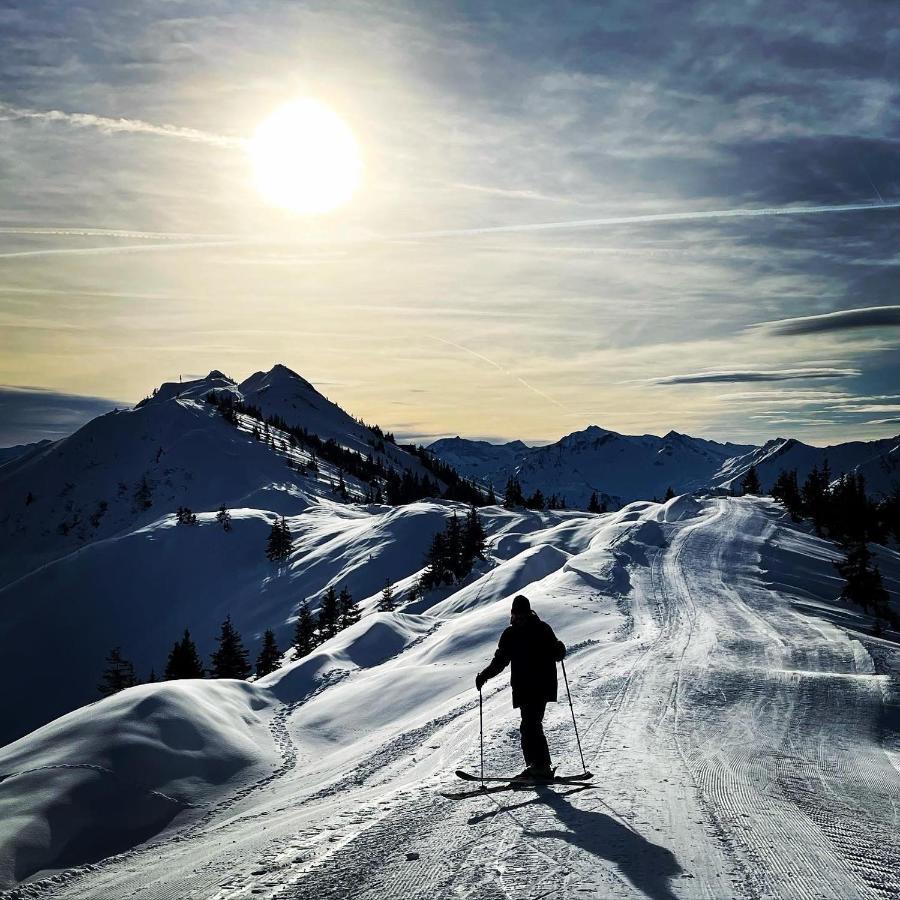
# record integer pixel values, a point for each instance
(531, 650)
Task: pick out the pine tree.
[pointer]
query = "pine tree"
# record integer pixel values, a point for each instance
(278, 546)
(269, 654)
(750, 482)
(118, 674)
(513, 496)
(593, 503)
(669, 495)
(536, 500)
(329, 615)
(454, 541)
(863, 581)
(348, 608)
(787, 491)
(184, 515)
(438, 570)
(223, 517)
(304, 632)
(230, 659)
(474, 538)
(491, 497)
(386, 601)
(143, 495)
(184, 661)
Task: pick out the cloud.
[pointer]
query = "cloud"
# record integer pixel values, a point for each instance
(734, 377)
(839, 320)
(115, 126)
(29, 414)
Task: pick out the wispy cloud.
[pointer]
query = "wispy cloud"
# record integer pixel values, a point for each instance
(118, 126)
(839, 320)
(752, 376)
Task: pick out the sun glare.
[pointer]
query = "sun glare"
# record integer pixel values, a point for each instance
(305, 158)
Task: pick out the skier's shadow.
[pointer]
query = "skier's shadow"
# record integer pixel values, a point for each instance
(648, 866)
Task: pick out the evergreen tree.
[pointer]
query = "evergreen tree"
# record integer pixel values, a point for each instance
(594, 503)
(184, 661)
(269, 654)
(863, 581)
(278, 546)
(454, 542)
(329, 615)
(304, 631)
(229, 660)
(787, 490)
(386, 601)
(118, 674)
(750, 482)
(438, 570)
(348, 608)
(151, 678)
(143, 495)
(184, 515)
(536, 500)
(491, 497)
(669, 495)
(223, 517)
(513, 495)
(474, 538)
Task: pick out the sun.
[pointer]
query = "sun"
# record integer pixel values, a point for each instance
(306, 158)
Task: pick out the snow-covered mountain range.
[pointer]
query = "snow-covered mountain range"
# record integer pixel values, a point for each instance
(621, 468)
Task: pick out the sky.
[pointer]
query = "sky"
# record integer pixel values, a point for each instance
(654, 216)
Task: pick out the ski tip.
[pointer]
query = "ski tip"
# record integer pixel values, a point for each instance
(468, 777)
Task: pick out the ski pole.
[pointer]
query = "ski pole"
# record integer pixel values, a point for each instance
(481, 734)
(572, 708)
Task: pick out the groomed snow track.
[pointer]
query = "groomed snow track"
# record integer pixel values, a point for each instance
(742, 747)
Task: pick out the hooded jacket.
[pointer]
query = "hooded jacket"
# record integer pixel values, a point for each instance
(531, 650)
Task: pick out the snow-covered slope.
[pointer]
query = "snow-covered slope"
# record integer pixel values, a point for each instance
(878, 461)
(742, 725)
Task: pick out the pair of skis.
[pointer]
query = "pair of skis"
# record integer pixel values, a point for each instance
(508, 784)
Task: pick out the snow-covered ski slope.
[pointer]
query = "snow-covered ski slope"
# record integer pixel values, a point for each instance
(743, 728)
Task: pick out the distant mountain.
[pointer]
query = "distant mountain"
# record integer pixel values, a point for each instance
(8, 454)
(619, 467)
(878, 461)
(485, 462)
(129, 467)
(622, 468)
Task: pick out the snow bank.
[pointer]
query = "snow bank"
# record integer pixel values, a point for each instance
(370, 642)
(114, 773)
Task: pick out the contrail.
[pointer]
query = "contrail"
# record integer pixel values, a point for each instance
(504, 370)
(175, 242)
(652, 218)
(128, 126)
(121, 248)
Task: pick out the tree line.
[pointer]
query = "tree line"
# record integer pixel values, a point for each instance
(230, 659)
(842, 510)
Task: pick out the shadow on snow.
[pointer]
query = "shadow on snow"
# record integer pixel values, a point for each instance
(648, 866)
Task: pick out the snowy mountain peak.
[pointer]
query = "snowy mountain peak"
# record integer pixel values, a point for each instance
(192, 389)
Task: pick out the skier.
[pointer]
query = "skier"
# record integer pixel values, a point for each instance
(531, 649)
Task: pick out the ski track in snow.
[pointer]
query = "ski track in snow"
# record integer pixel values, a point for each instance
(736, 743)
